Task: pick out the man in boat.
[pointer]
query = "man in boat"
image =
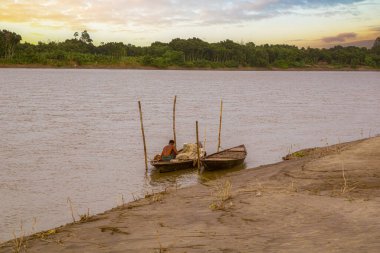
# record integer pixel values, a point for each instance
(169, 152)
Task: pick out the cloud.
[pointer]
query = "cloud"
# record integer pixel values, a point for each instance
(297, 40)
(137, 14)
(375, 28)
(359, 43)
(342, 37)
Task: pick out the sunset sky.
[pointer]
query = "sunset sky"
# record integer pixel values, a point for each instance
(140, 22)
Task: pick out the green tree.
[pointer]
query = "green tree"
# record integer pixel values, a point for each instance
(174, 57)
(117, 50)
(85, 37)
(8, 42)
(376, 46)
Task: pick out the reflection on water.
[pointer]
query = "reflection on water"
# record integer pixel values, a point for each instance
(175, 178)
(216, 174)
(180, 178)
(76, 133)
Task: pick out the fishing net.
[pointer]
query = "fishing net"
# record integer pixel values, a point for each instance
(189, 151)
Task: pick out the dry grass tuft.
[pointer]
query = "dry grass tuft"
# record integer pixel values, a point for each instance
(46, 236)
(346, 188)
(222, 193)
(85, 217)
(71, 209)
(19, 242)
(156, 196)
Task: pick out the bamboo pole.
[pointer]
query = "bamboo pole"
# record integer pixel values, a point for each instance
(204, 141)
(198, 155)
(220, 123)
(174, 135)
(143, 135)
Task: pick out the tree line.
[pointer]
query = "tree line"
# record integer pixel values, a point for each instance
(184, 53)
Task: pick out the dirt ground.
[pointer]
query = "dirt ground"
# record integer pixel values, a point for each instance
(318, 200)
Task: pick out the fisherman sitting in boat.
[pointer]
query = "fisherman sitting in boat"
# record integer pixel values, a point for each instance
(169, 152)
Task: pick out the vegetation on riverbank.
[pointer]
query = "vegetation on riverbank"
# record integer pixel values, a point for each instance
(192, 53)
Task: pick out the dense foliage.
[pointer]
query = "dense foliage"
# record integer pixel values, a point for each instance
(8, 42)
(185, 53)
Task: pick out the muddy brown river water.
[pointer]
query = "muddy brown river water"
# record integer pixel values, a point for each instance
(76, 133)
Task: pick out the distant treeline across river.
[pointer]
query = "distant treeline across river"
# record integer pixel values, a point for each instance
(181, 53)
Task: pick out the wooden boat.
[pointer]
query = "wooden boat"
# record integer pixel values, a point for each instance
(173, 165)
(225, 159)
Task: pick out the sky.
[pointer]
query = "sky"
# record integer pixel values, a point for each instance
(140, 22)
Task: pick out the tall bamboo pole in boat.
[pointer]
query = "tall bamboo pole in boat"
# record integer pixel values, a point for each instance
(198, 155)
(220, 123)
(143, 135)
(174, 135)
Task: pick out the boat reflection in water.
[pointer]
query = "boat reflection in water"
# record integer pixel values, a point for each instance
(216, 174)
(174, 178)
(188, 176)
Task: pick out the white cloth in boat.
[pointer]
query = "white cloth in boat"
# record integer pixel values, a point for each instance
(189, 152)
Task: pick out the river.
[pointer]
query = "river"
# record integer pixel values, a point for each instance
(68, 133)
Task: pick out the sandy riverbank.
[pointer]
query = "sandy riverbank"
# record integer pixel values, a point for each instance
(320, 200)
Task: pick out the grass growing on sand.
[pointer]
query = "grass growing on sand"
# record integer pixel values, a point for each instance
(346, 188)
(85, 217)
(222, 193)
(156, 196)
(19, 244)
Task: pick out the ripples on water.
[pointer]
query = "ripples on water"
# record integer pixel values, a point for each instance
(76, 133)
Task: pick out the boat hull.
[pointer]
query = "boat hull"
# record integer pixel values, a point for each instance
(172, 166)
(221, 164)
(225, 159)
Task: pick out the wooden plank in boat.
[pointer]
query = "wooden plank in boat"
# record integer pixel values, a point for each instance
(219, 159)
(237, 149)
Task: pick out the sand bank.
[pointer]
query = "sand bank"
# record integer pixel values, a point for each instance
(319, 200)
